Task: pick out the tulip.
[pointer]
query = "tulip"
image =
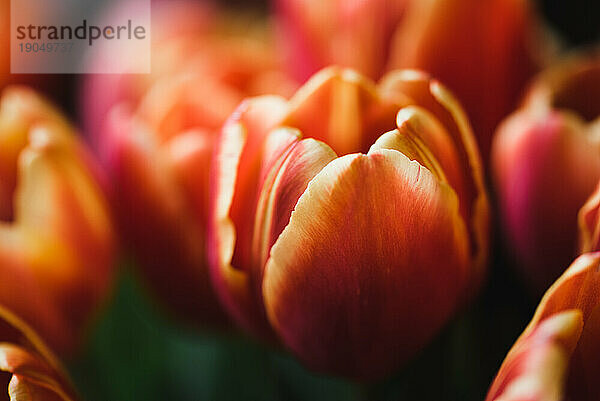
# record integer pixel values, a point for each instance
(56, 236)
(483, 50)
(157, 150)
(233, 56)
(353, 260)
(355, 34)
(557, 356)
(28, 368)
(546, 164)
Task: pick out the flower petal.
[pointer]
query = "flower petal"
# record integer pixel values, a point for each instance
(537, 366)
(418, 89)
(341, 108)
(478, 49)
(62, 211)
(20, 110)
(281, 192)
(369, 230)
(589, 223)
(241, 163)
(567, 324)
(162, 208)
(531, 154)
(37, 375)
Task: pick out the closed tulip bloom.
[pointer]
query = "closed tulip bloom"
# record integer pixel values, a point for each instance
(353, 260)
(158, 142)
(484, 51)
(546, 165)
(56, 235)
(558, 355)
(28, 369)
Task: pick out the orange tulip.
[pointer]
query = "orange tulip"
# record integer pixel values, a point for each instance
(481, 49)
(546, 164)
(56, 236)
(231, 55)
(27, 367)
(558, 355)
(354, 260)
(353, 34)
(158, 147)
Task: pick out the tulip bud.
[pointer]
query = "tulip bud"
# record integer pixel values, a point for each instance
(56, 236)
(28, 369)
(558, 355)
(338, 253)
(546, 164)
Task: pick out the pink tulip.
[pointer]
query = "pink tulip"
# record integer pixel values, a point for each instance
(546, 164)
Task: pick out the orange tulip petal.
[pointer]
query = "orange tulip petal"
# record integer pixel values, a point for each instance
(418, 89)
(369, 230)
(589, 224)
(478, 49)
(65, 220)
(566, 323)
(536, 368)
(36, 373)
(241, 163)
(20, 109)
(281, 192)
(341, 108)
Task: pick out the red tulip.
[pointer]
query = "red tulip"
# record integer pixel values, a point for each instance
(339, 253)
(481, 49)
(56, 235)
(557, 356)
(158, 147)
(546, 164)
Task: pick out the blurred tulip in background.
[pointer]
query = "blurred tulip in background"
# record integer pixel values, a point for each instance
(353, 260)
(546, 160)
(157, 144)
(484, 51)
(56, 236)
